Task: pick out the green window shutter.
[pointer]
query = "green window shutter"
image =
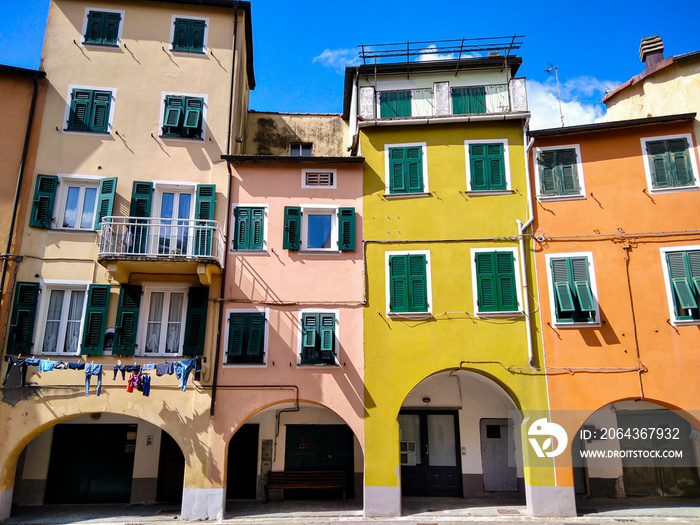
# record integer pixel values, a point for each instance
(204, 211)
(694, 266)
(99, 116)
(241, 240)
(327, 335)
(496, 167)
(398, 285)
(582, 284)
(292, 228)
(413, 166)
(547, 166)
(79, 116)
(23, 316)
(196, 320)
(487, 292)
(105, 200)
(680, 162)
(459, 101)
(141, 194)
(44, 197)
(95, 319)
(478, 164)
(507, 292)
(466, 100)
(418, 283)
(182, 29)
(127, 320)
(111, 30)
(659, 169)
(681, 284)
(256, 334)
(193, 116)
(95, 25)
(566, 162)
(309, 326)
(346, 229)
(397, 174)
(564, 297)
(395, 104)
(257, 228)
(237, 327)
(174, 107)
(196, 43)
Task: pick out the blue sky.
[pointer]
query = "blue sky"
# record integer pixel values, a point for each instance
(301, 48)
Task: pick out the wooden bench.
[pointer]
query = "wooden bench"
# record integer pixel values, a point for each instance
(305, 479)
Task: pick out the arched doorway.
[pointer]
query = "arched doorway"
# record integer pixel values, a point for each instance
(100, 458)
(459, 434)
(636, 449)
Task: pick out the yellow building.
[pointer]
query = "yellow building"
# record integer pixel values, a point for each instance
(123, 249)
(452, 353)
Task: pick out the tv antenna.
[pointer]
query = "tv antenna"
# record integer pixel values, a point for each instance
(556, 75)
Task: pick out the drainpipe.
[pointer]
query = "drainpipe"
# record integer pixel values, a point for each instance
(217, 351)
(18, 188)
(521, 240)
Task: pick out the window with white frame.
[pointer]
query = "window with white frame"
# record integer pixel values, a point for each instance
(189, 35)
(682, 276)
(406, 168)
(183, 116)
(559, 172)
(572, 289)
(319, 333)
(163, 320)
(77, 202)
(408, 283)
(174, 204)
(103, 27)
(249, 228)
(496, 281)
(669, 162)
(62, 311)
(90, 109)
(488, 165)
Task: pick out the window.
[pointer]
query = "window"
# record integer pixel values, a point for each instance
(318, 179)
(249, 228)
(83, 202)
(103, 28)
(466, 100)
(165, 321)
(573, 294)
(300, 149)
(63, 319)
(246, 337)
(495, 281)
(90, 110)
(319, 228)
(183, 117)
(487, 166)
(406, 168)
(669, 163)
(318, 334)
(189, 35)
(394, 104)
(559, 172)
(408, 282)
(683, 284)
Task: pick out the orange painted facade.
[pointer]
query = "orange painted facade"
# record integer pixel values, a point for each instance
(635, 348)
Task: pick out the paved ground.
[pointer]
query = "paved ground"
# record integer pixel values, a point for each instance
(416, 511)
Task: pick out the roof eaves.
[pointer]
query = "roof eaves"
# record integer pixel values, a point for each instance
(617, 124)
(287, 159)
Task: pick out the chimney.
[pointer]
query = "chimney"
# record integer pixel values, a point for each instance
(651, 51)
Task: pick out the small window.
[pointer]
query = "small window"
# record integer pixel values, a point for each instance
(90, 110)
(77, 211)
(393, 104)
(102, 28)
(164, 325)
(487, 166)
(183, 117)
(683, 278)
(573, 293)
(496, 282)
(249, 228)
(64, 318)
(318, 338)
(406, 169)
(300, 149)
(189, 35)
(319, 228)
(408, 283)
(246, 338)
(559, 172)
(318, 179)
(670, 162)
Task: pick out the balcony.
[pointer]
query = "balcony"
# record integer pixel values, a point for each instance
(442, 101)
(161, 246)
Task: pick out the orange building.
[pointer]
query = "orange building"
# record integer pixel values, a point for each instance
(617, 231)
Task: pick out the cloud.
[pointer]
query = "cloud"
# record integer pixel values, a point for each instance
(338, 59)
(580, 102)
(429, 54)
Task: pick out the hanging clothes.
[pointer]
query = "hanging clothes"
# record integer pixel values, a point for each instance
(21, 364)
(93, 370)
(182, 371)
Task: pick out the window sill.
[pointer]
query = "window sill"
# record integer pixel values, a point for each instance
(86, 132)
(513, 313)
(185, 52)
(319, 251)
(657, 191)
(71, 230)
(685, 322)
(406, 195)
(177, 138)
(548, 198)
(476, 193)
(578, 325)
(318, 365)
(244, 365)
(409, 315)
(249, 252)
(103, 46)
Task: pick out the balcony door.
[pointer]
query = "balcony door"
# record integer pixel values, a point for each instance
(175, 209)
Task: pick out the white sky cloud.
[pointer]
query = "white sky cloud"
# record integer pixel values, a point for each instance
(338, 59)
(580, 102)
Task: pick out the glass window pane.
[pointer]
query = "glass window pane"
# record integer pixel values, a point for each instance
(409, 425)
(87, 219)
(75, 314)
(53, 321)
(71, 212)
(172, 343)
(155, 317)
(319, 234)
(441, 439)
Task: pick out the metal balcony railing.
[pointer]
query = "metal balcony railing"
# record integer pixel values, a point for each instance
(183, 239)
